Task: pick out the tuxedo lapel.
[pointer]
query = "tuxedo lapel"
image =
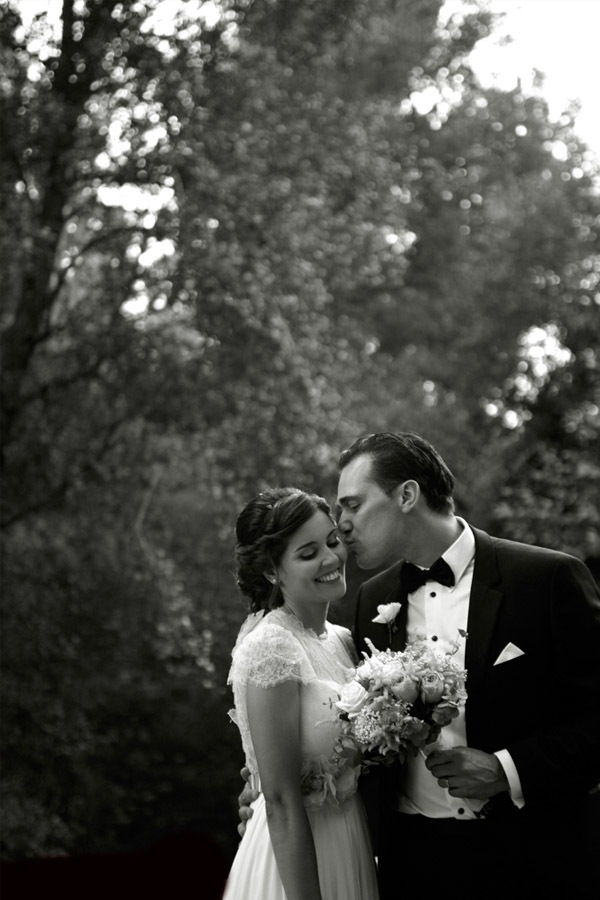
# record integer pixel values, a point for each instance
(484, 604)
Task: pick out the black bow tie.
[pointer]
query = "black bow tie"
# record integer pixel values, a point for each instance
(412, 577)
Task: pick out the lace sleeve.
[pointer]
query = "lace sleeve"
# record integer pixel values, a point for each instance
(269, 656)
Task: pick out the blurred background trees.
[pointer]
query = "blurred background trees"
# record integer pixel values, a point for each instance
(235, 236)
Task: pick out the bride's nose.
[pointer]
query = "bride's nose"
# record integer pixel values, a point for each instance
(331, 555)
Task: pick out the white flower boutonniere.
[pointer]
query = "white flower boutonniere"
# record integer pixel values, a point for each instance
(386, 615)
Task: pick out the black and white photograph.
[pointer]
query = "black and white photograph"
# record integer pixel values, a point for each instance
(299, 449)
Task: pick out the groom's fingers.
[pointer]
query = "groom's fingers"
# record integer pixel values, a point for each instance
(443, 773)
(247, 796)
(245, 813)
(437, 759)
(469, 773)
(443, 766)
(458, 758)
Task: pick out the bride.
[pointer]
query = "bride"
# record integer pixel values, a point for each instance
(308, 837)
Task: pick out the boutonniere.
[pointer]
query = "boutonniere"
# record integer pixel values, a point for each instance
(386, 615)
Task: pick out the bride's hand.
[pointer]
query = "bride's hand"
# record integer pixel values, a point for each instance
(248, 796)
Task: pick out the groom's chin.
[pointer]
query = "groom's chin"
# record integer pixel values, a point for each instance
(369, 564)
(365, 563)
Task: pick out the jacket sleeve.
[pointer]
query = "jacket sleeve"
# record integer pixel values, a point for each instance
(562, 752)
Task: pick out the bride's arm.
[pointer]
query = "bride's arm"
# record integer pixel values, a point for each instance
(274, 719)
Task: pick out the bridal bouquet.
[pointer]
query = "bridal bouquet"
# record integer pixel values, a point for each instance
(399, 701)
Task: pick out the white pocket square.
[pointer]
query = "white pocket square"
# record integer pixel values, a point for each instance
(511, 651)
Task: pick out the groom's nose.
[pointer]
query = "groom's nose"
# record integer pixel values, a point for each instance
(344, 525)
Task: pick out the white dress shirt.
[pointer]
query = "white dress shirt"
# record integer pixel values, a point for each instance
(437, 612)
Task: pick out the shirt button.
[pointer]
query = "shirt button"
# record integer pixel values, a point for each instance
(433, 594)
(461, 811)
(434, 637)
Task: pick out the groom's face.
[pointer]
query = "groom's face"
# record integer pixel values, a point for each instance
(370, 522)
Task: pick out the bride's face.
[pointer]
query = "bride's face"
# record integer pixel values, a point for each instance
(312, 568)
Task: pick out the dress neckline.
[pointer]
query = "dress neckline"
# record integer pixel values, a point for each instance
(299, 625)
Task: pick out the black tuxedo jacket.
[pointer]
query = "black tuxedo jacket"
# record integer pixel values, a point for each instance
(544, 706)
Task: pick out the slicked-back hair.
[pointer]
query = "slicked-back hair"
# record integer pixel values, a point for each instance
(405, 456)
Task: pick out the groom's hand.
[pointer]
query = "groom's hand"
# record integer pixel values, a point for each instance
(468, 773)
(247, 797)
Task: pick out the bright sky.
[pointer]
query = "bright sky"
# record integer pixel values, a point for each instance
(559, 38)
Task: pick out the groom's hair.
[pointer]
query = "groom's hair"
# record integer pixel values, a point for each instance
(405, 456)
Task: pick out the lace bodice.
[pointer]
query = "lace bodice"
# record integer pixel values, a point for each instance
(276, 648)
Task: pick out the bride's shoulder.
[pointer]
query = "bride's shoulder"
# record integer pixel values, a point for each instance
(344, 635)
(265, 631)
(248, 625)
(268, 655)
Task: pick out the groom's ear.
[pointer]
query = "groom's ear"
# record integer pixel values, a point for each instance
(407, 495)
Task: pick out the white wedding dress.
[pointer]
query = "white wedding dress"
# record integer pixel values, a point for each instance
(269, 650)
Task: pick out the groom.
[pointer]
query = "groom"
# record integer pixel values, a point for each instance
(505, 807)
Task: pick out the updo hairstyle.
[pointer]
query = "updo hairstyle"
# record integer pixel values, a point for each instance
(263, 530)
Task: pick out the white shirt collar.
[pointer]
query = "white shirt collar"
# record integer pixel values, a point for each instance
(461, 553)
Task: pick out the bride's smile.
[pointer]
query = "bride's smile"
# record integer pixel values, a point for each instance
(335, 575)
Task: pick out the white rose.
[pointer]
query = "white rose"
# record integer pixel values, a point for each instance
(352, 698)
(387, 613)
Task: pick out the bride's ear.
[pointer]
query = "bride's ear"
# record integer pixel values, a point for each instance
(270, 576)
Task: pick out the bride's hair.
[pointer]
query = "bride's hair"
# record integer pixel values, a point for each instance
(263, 530)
